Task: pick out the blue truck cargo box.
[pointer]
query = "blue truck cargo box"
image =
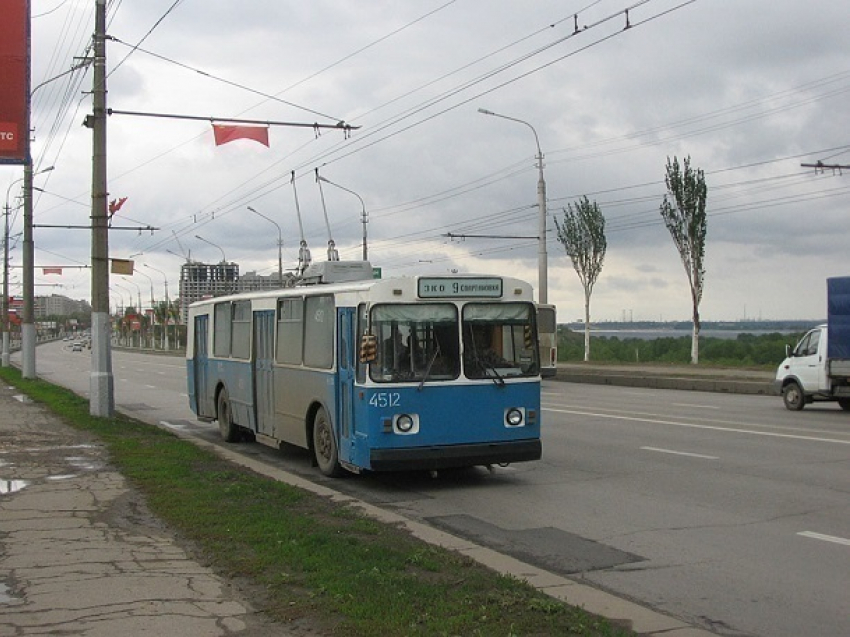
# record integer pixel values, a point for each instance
(838, 317)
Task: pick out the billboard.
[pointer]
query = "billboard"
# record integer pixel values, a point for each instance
(14, 81)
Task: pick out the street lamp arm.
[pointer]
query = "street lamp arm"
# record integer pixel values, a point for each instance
(364, 217)
(279, 244)
(220, 249)
(484, 111)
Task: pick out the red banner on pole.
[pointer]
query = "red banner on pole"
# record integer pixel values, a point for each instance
(14, 81)
(226, 133)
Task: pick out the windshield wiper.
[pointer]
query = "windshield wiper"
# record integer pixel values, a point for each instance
(488, 367)
(498, 380)
(428, 368)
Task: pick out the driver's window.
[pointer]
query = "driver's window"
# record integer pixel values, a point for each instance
(814, 339)
(809, 345)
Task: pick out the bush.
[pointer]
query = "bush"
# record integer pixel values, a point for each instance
(747, 350)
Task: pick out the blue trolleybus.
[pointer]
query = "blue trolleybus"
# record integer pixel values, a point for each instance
(410, 373)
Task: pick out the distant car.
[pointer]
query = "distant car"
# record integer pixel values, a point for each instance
(77, 347)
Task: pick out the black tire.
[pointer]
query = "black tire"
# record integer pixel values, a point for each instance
(844, 403)
(793, 396)
(229, 431)
(325, 449)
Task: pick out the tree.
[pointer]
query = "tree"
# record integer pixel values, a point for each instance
(684, 215)
(583, 237)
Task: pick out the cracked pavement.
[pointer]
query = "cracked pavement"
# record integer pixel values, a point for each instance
(80, 554)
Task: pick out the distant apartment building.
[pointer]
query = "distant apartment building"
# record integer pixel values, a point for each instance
(58, 305)
(251, 281)
(204, 280)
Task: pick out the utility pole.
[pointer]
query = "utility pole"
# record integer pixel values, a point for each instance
(101, 385)
(5, 305)
(28, 331)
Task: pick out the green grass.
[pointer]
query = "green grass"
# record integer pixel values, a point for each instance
(305, 558)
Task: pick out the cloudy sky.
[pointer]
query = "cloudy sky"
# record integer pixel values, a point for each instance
(749, 89)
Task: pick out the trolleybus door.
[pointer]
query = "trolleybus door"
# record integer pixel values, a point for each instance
(346, 346)
(203, 401)
(263, 371)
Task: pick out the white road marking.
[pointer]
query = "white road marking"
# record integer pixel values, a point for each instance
(826, 538)
(680, 453)
(695, 406)
(689, 425)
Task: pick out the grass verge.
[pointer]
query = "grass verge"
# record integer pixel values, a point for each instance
(306, 558)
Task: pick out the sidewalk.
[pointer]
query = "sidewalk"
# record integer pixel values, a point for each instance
(81, 555)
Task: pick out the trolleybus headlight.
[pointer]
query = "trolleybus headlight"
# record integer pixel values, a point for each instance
(404, 423)
(513, 417)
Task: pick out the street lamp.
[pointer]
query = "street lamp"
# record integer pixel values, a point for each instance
(224, 271)
(153, 303)
(363, 216)
(223, 258)
(137, 271)
(139, 306)
(122, 315)
(542, 257)
(116, 291)
(167, 305)
(279, 245)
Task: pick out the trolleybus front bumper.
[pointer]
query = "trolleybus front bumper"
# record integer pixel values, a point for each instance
(452, 456)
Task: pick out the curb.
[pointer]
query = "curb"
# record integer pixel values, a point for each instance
(654, 380)
(619, 611)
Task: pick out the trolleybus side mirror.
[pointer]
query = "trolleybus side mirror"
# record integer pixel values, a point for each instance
(368, 348)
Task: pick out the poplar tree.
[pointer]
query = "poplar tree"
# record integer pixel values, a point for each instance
(582, 234)
(683, 211)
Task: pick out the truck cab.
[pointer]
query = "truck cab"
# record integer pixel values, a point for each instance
(808, 373)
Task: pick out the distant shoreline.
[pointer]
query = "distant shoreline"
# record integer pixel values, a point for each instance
(743, 327)
(660, 332)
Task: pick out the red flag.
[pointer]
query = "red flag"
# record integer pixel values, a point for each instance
(51, 270)
(226, 133)
(115, 205)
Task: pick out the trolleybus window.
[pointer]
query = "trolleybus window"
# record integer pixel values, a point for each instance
(416, 342)
(498, 340)
(221, 337)
(241, 344)
(290, 330)
(319, 331)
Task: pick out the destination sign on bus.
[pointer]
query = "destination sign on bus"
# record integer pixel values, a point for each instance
(443, 288)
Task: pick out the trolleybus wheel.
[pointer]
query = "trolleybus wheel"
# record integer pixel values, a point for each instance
(844, 403)
(324, 445)
(229, 431)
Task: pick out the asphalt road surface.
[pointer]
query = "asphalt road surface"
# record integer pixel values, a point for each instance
(726, 511)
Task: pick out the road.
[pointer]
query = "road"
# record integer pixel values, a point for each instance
(726, 511)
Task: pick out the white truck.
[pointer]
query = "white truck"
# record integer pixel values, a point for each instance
(818, 368)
